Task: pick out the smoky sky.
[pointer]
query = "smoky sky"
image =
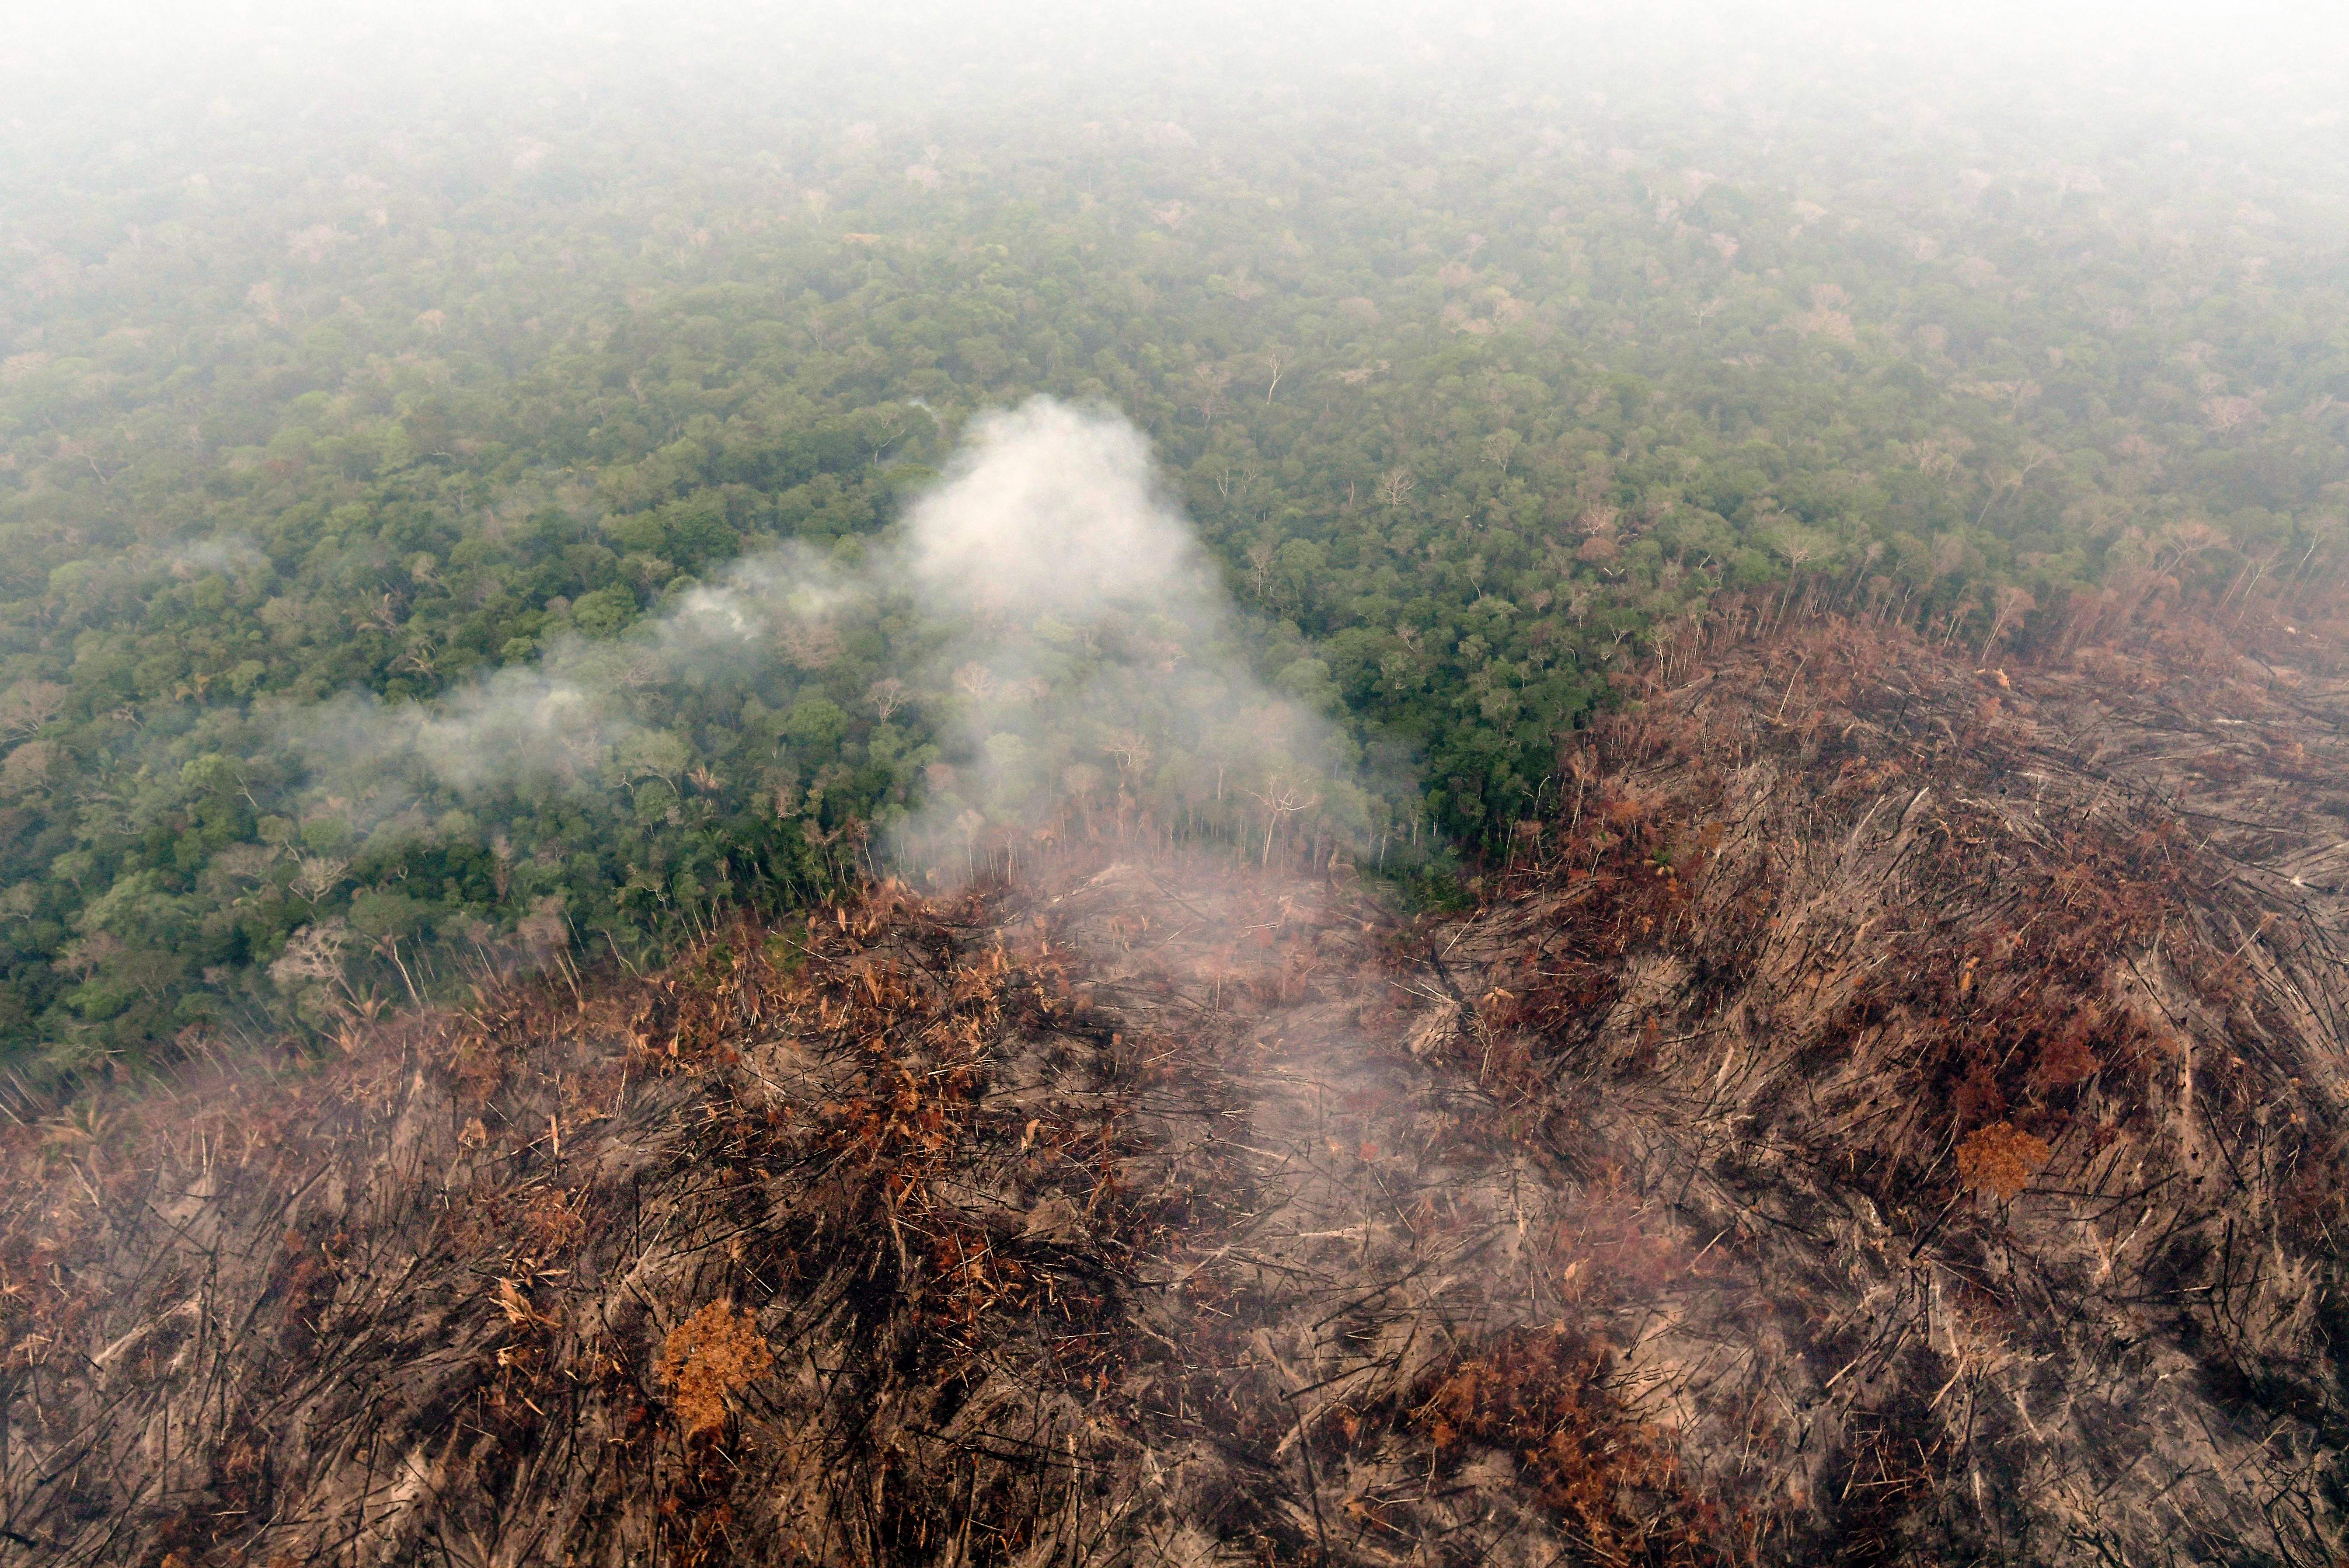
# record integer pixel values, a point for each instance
(126, 81)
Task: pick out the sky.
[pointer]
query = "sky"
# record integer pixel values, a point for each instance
(118, 61)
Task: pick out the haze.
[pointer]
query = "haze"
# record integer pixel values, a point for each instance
(396, 400)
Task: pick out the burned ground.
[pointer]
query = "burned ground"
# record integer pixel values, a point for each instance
(1881, 1111)
(1985, 1021)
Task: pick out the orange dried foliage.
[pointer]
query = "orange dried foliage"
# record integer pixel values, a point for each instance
(2001, 1159)
(550, 1226)
(715, 1352)
(2066, 1059)
(1541, 1396)
(860, 984)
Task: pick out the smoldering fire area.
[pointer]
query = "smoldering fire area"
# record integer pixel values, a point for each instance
(1087, 786)
(1887, 1111)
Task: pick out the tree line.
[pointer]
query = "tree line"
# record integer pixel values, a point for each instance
(1467, 407)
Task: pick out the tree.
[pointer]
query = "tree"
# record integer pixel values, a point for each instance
(2014, 604)
(27, 707)
(1282, 798)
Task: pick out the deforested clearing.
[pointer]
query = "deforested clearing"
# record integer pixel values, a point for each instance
(1879, 1110)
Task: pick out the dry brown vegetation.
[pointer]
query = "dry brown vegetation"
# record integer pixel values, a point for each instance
(716, 1353)
(1887, 1112)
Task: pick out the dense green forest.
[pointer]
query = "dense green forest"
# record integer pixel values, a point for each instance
(1468, 394)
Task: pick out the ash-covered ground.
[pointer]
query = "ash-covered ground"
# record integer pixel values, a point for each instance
(1881, 1111)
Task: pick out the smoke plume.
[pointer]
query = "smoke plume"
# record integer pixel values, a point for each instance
(1050, 614)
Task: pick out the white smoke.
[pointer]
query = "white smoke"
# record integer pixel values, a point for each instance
(1078, 664)
(1091, 655)
(1051, 510)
